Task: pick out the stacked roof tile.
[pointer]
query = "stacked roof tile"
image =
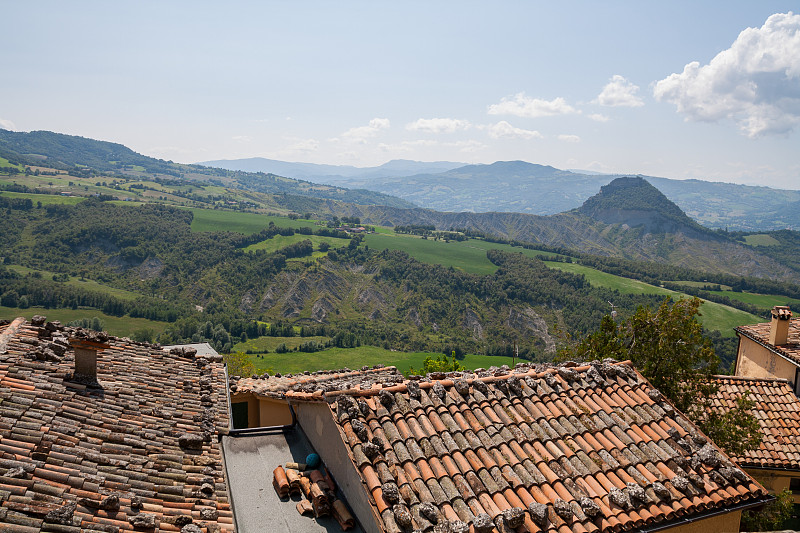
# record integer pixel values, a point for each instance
(322, 381)
(133, 450)
(760, 334)
(777, 410)
(571, 448)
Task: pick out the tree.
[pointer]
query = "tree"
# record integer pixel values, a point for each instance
(668, 347)
(772, 517)
(239, 364)
(440, 364)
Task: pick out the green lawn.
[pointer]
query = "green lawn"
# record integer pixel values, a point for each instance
(46, 199)
(469, 255)
(280, 241)
(355, 358)
(246, 223)
(118, 326)
(77, 282)
(761, 240)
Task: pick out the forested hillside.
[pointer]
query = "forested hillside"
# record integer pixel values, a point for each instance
(87, 158)
(151, 251)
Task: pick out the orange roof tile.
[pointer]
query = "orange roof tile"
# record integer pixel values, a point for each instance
(537, 449)
(777, 410)
(760, 334)
(277, 386)
(135, 449)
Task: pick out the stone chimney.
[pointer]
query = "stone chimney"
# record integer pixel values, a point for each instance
(86, 358)
(779, 327)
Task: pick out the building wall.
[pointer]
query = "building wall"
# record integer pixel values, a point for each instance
(322, 431)
(263, 412)
(756, 361)
(775, 480)
(725, 523)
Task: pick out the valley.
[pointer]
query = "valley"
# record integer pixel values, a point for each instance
(175, 253)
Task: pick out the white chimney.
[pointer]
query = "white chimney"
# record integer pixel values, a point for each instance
(779, 326)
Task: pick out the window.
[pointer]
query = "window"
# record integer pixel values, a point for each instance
(239, 415)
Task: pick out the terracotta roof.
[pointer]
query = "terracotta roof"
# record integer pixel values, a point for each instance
(777, 410)
(572, 448)
(136, 449)
(760, 334)
(322, 381)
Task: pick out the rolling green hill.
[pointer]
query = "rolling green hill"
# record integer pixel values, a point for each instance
(87, 157)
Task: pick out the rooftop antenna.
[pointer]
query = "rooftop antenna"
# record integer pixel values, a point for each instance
(613, 310)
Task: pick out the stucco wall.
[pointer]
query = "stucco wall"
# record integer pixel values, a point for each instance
(322, 431)
(263, 412)
(775, 480)
(726, 523)
(756, 361)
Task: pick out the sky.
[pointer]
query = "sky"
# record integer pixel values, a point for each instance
(680, 89)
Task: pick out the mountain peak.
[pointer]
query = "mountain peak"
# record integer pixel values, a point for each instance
(632, 200)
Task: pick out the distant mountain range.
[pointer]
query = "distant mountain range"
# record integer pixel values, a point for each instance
(521, 187)
(626, 217)
(332, 173)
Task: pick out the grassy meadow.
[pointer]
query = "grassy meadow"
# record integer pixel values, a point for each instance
(468, 256)
(240, 222)
(333, 358)
(118, 326)
(86, 284)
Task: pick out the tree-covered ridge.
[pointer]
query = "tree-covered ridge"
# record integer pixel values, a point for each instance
(635, 194)
(87, 157)
(385, 298)
(67, 151)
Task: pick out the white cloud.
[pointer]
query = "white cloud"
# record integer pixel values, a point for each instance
(466, 146)
(438, 125)
(361, 133)
(7, 125)
(242, 138)
(569, 138)
(504, 129)
(755, 83)
(301, 146)
(619, 92)
(598, 117)
(522, 106)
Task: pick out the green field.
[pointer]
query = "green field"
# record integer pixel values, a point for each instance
(764, 301)
(469, 256)
(246, 223)
(761, 240)
(713, 316)
(118, 326)
(46, 199)
(268, 344)
(87, 284)
(355, 358)
(4, 163)
(611, 281)
(280, 241)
